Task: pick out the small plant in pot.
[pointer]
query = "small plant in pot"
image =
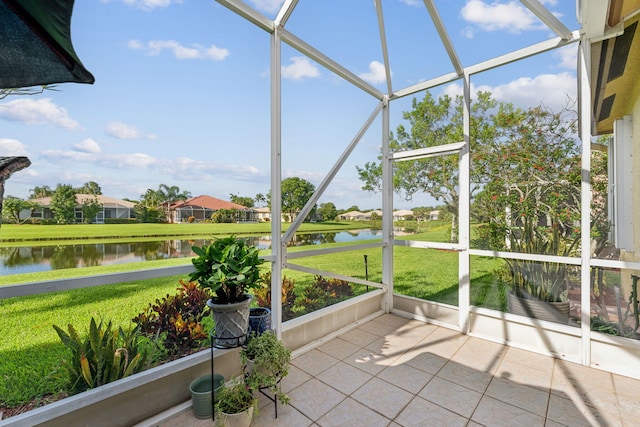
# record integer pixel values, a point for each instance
(266, 361)
(540, 289)
(229, 267)
(236, 404)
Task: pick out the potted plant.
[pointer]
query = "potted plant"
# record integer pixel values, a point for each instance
(540, 289)
(229, 267)
(259, 319)
(266, 361)
(236, 405)
(204, 394)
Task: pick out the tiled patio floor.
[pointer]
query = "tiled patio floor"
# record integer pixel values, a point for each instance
(397, 372)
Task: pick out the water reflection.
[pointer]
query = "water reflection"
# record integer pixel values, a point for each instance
(28, 259)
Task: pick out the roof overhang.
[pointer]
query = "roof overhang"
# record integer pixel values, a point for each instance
(612, 28)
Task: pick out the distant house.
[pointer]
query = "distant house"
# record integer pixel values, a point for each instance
(202, 207)
(434, 215)
(402, 214)
(264, 214)
(111, 208)
(354, 216)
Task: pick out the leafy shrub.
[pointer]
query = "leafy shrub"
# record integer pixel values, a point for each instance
(101, 357)
(191, 219)
(176, 320)
(263, 295)
(323, 293)
(335, 288)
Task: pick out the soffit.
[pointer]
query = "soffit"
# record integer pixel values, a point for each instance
(615, 65)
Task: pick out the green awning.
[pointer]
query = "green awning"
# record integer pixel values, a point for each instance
(35, 44)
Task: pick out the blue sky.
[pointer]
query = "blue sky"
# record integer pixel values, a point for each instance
(182, 92)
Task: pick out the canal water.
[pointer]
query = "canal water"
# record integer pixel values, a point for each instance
(29, 259)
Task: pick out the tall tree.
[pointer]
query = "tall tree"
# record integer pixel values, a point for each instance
(90, 187)
(421, 213)
(530, 199)
(434, 122)
(63, 204)
(247, 202)
(295, 194)
(39, 192)
(90, 208)
(172, 194)
(328, 211)
(147, 214)
(260, 199)
(151, 198)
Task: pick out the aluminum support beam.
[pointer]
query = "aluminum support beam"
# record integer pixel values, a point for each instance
(383, 42)
(444, 36)
(248, 13)
(285, 13)
(387, 212)
(523, 53)
(498, 61)
(410, 90)
(329, 177)
(324, 273)
(278, 248)
(329, 63)
(464, 216)
(548, 18)
(584, 109)
(421, 153)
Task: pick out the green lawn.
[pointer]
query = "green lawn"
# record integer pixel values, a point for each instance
(30, 349)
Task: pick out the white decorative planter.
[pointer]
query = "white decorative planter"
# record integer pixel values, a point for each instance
(231, 323)
(242, 419)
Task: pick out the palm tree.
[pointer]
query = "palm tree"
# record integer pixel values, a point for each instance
(39, 192)
(172, 194)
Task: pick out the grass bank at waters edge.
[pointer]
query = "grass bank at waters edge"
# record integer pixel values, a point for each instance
(10, 234)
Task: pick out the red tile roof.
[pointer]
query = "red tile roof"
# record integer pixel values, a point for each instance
(208, 202)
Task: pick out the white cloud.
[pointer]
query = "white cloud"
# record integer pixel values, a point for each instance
(147, 5)
(176, 168)
(37, 112)
(300, 68)
(122, 130)
(551, 90)
(87, 146)
(12, 147)
(510, 16)
(155, 47)
(567, 56)
(116, 161)
(376, 74)
(269, 6)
